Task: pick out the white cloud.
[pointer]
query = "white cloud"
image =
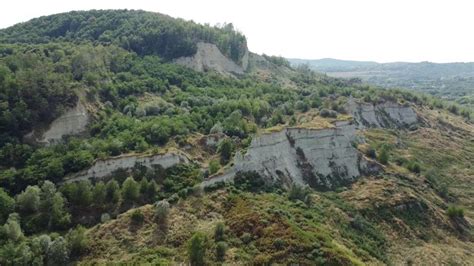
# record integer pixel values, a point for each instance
(380, 30)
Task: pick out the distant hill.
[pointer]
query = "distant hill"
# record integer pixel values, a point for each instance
(452, 81)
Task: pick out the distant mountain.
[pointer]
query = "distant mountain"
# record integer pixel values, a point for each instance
(453, 81)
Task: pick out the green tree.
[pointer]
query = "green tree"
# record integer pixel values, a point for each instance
(84, 193)
(161, 213)
(226, 148)
(28, 201)
(7, 205)
(12, 228)
(112, 192)
(130, 190)
(58, 252)
(77, 241)
(53, 212)
(197, 249)
(99, 194)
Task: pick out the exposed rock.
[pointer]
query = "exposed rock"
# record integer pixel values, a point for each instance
(74, 121)
(104, 168)
(321, 158)
(209, 57)
(383, 115)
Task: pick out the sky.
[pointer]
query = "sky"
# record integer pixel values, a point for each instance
(373, 30)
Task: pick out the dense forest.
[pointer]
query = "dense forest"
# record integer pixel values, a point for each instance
(120, 64)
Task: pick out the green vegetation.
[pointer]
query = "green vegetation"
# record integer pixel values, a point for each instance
(119, 65)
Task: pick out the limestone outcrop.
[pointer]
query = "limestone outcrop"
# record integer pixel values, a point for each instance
(104, 168)
(382, 115)
(320, 158)
(74, 121)
(209, 57)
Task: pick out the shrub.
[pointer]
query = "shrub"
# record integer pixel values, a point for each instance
(279, 244)
(414, 167)
(214, 167)
(137, 217)
(112, 192)
(298, 192)
(455, 212)
(226, 148)
(328, 113)
(221, 248)
(219, 232)
(383, 156)
(197, 249)
(161, 213)
(371, 153)
(246, 238)
(105, 217)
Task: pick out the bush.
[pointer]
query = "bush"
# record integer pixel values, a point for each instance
(105, 217)
(137, 217)
(371, 153)
(221, 248)
(455, 212)
(219, 232)
(383, 156)
(161, 213)
(197, 249)
(214, 166)
(246, 238)
(328, 113)
(112, 192)
(279, 244)
(226, 148)
(414, 167)
(298, 192)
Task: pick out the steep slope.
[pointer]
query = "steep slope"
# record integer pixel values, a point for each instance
(244, 158)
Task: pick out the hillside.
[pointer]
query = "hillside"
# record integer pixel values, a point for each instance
(451, 81)
(206, 153)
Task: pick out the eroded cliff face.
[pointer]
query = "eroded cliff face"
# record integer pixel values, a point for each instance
(321, 158)
(104, 168)
(209, 57)
(74, 121)
(383, 115)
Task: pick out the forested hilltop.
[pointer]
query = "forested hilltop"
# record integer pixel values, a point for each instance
(113, 152)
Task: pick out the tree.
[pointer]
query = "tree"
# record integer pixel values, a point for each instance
(226, 148)
(58, 252)
(99, 194)
(7, 205)
(130, 190)
(112, 192)
(197, 249)
(52, 207)
(84, 193)
(144, 187)
(12, 228)
(28, 201)
(77, 241)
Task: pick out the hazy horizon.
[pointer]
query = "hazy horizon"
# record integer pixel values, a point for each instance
(393, 31)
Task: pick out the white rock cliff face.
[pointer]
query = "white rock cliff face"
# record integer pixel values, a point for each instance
(320, 158)
(209, 57)
(74, 121)
(104, 168)
(383, 115)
